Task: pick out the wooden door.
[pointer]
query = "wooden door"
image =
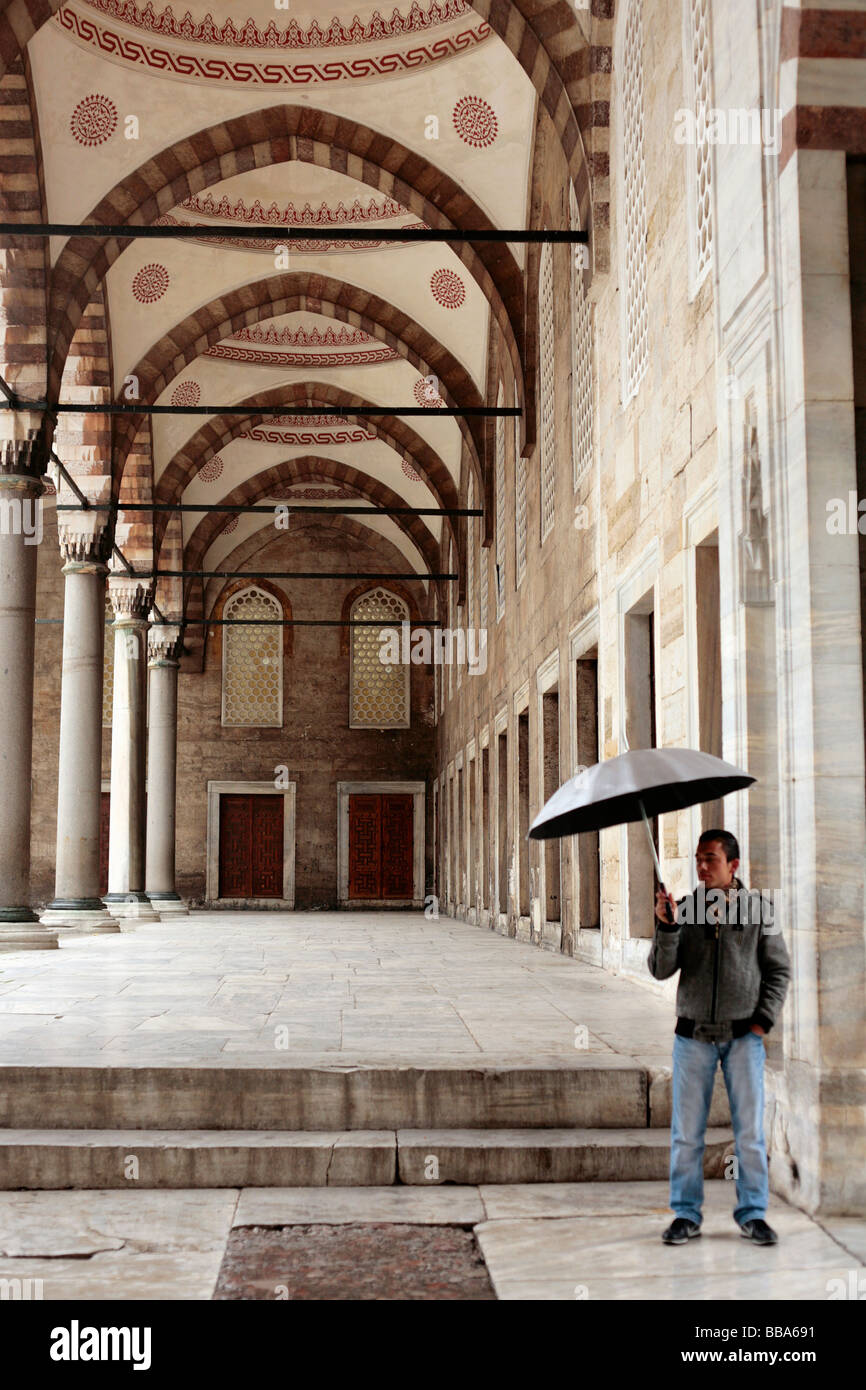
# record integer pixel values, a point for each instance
(381, 847)
(251, 846)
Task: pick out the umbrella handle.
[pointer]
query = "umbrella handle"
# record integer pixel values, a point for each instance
(658, 867)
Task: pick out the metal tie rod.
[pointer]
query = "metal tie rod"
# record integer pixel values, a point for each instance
(305, 622)
(288, 574)
(267, 413)
(295, 509)
(191, 231)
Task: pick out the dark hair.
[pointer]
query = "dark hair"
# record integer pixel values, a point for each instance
(725, 839)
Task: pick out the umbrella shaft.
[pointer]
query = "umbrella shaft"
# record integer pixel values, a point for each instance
(649, 835)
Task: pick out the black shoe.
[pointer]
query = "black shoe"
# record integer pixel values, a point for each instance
(680, 1231)
(759, 1232)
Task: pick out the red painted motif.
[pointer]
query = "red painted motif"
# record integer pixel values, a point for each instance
(249, 35)
(221, 68)
(94, 120)
(410, 472)
(231, 526)
(150, 283)
(211, 470)
(287, 492)
(310, 246)
(475, 121)
(447, 289)
(291, 215)
(426, 394)
(303, 359)
(187, 393)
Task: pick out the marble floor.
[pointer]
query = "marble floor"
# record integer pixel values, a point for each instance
(271, 988)
(395, 987)
(568, 1241)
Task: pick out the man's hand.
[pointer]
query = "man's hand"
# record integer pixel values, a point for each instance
(666, 908)
(756, 1028)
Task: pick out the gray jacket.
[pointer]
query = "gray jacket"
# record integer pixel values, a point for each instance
(728, 972)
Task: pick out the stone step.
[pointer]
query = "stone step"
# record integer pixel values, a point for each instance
(39, 1159)
(583, 1093)
(548, 1155)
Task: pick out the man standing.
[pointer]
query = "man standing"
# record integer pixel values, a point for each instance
(733, 980)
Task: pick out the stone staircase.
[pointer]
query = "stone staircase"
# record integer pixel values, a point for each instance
(364, 1125)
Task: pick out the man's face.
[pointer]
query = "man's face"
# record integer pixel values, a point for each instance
(714, 870)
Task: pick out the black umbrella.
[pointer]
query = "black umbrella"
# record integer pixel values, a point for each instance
(638, 784)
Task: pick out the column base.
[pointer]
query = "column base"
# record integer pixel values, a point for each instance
(130, 907)
(28, 936)
(17, 914)
(168, 905)
(85, 915)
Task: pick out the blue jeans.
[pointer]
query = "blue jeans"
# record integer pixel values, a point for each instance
(695, 1066)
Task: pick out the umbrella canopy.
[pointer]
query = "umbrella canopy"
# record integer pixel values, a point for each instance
(640, 783)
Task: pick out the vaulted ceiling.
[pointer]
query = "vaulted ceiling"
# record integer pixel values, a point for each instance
(250, 117)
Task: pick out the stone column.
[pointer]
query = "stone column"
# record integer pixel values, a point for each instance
(126, 897)
(77, 903)
(163, 645)
(22, 462)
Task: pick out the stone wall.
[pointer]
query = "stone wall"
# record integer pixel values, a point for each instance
(316, 744)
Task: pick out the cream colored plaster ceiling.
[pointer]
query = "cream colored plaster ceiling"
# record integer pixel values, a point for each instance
(228, 383)
(243, 458)
(79, 175)
(109, 99)
(190, 277)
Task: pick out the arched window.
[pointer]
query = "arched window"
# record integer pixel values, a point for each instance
(632, 199)
(252, 662)
(696, 71)
(379, 690)
(547, 376)
(581, 358)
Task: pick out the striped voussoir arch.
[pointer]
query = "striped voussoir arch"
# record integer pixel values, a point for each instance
(311, 468)
(219, 431)
(287, 292)
(568, 66)
(822, 80)
(278, 135)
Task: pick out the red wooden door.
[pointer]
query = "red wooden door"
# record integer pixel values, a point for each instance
(397, 847)
(251, 846)
(365, 846)
(381, 846)
(104, 819)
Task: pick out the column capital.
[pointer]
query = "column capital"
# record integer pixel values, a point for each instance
(24, 453)
(131, 598)
(164, 642)
(84, 542)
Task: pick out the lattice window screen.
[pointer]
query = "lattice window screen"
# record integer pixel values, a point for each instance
(499, 546)
(581, 360)
(698, 67)
(483, 578)
(633, 210)
(253, 664)
(519, 520)
(470, 558)
(547, 364)
(380, 690)
(108, 667)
